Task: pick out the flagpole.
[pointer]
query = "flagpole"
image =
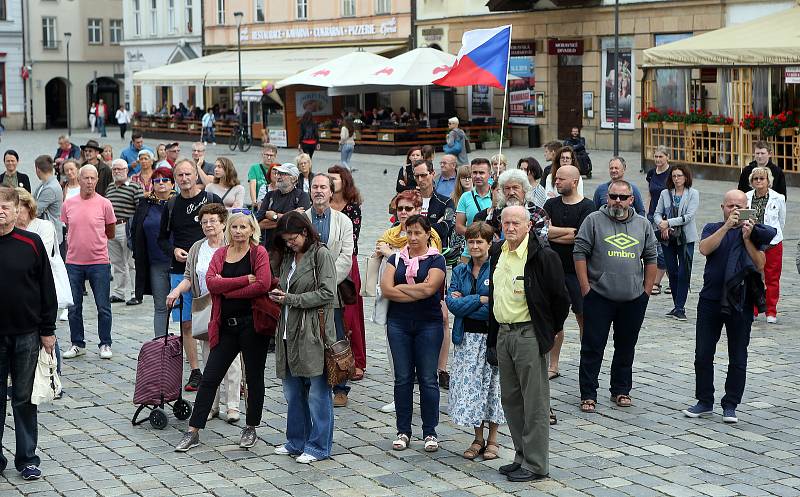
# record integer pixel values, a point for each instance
(505, 88)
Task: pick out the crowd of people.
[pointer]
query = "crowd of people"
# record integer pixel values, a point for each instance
(273, 266)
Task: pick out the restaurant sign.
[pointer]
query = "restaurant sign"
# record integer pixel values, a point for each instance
(384, 28)
(792, 74)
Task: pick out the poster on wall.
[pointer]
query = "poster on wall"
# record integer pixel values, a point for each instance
(480, 101)
(316, 102)
(627, 86)
(521, 99)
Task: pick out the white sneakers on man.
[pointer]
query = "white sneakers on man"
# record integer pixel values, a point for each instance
(388, 407)
(105, 352)
(74, 352)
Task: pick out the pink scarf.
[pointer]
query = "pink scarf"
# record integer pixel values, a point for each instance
(412, 263)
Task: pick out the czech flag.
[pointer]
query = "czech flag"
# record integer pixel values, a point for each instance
(482, 60)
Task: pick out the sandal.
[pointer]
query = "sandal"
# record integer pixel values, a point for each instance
(444, 380)
(358, 375)
(431, 444)
(401, 442)
(656, 289)
(490, 454)
(475, 449)
(552, 374)
(553, 419)
(588, 406)
(622, 400)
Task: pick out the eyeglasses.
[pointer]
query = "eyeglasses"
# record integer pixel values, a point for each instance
(406, 208)
(759, 179)
(291, 238)
(161, 180)
(207, 222)
(444, 163)
(619, 196)
(246, 212)
(677, 175)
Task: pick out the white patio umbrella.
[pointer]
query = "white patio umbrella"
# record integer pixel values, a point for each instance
(342, 71)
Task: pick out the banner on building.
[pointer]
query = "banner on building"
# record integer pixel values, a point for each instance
(480, 101)
(316, 102)
(521, 98)
(627, 89)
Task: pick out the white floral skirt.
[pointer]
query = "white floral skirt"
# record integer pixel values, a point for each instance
(474, 384)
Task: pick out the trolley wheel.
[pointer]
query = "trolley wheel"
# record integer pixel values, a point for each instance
(158, 418)
(182, 409)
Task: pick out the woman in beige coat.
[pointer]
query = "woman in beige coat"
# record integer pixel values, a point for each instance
(307, 285)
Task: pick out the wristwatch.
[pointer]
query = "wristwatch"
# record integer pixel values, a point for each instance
(275, 217)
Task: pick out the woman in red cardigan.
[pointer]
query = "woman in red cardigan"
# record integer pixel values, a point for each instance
(238, 276)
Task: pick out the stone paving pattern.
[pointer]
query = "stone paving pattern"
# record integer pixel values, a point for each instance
(88, 446)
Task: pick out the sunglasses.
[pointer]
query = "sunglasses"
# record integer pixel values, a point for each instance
(161, 180)
(246, 212)
(619, 196)
(406, 208)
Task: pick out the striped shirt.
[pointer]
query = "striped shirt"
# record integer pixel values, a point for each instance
(124, 198)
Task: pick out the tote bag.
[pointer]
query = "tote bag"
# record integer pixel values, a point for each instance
(371, 281)
(46, 383)
(61, 280)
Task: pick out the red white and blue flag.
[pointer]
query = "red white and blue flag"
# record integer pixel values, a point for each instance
(482, 60)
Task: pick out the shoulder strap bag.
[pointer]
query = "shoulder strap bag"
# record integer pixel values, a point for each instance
(340, 365)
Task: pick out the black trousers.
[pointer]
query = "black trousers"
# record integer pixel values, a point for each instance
(232, 341)
(122, 128)
(599, 313)
(308, 149)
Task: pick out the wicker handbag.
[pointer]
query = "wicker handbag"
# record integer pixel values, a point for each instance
(340, 365)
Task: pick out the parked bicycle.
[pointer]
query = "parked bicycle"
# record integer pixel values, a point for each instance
(240, 137)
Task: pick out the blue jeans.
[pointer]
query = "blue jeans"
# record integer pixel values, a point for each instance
(101, 125)
(346, 153)
(208, 134)
(679, 269)
(309, 416)
(160, 287)
(338, 320)
(18, 357)
(708, 331)
(99, 276)
(415, 351)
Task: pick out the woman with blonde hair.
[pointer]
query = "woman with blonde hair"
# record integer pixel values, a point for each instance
(238, 276)
(71, 185)
(499, 165)
(770, 207)
(303, 163)
(226, 184)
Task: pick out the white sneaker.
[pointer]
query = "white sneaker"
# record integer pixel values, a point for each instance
(772, 319)
(388, 407)
(306, 458)
(74, 352)
(105, 352)
(64, 315)
(281, 450)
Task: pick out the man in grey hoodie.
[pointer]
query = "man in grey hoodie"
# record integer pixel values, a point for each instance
(456, 141)
(615, 262)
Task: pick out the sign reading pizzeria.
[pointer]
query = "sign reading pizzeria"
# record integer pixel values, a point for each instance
(564, 47)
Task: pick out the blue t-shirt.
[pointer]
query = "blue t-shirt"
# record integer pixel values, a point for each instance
(717, 261)
(470, 204)
(429, 309)
(656, 183)
(152, 226)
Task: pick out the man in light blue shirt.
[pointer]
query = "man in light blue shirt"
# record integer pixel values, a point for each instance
(616, 170)
(472, 202)
(446, 182)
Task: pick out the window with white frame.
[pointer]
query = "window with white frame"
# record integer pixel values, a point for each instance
(220, 11)
(301, 9)
(49, 32)
(348, 8)
(189, 15)
(95, 31)
(171, 15)
(137, 17)
(115, 31)
(383, 6)
(153, 17)
(260, 17)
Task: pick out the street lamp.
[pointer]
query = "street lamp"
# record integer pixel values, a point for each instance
(616, 78)
(67, 37)
(239, 15)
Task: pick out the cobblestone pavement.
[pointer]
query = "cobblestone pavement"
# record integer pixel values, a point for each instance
(88, 446)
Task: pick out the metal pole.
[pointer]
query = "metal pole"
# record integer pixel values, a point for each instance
(69, 95)
(616, 77)
(239, 51)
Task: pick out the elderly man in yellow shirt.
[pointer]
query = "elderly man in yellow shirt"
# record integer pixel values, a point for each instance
(529, 304)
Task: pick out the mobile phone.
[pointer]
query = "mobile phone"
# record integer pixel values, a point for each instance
(746, 214)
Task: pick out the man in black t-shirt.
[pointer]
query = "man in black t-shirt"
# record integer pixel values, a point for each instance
(180, 228)
(567, 213)
(287, 197)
